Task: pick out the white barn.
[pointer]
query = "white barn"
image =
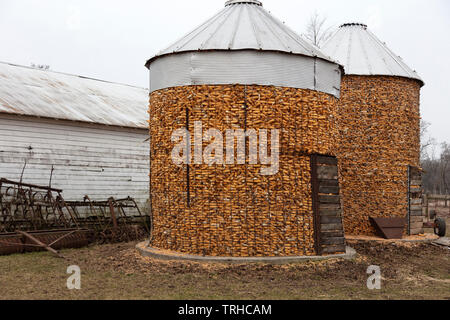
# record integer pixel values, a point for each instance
(94, 133)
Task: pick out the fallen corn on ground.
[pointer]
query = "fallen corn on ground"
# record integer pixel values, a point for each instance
(118, 272)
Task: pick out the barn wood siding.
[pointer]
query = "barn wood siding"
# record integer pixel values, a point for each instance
(95, 160)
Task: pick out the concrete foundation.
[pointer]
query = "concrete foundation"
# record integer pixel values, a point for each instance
(147, 251)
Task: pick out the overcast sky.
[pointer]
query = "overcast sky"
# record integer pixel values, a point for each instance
(112, 39)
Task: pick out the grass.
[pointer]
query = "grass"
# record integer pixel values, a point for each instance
(118, 272)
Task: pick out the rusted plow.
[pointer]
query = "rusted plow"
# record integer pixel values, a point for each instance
(38, 218)
(30, 207)
(21, 242)
(113, 220)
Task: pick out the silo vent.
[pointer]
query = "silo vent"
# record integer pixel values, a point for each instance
(355, 24)
(232, 2)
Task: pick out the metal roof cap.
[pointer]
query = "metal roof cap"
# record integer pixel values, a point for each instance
(243, 25)
(352, 24)
(362, 53)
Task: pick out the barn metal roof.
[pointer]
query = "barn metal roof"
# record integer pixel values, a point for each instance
(243, 25)
(33, 92)
(362, 53)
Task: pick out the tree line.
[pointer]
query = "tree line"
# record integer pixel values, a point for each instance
(436, 177)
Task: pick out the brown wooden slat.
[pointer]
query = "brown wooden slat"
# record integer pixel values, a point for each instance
(416, 213)
(327, 160)
(330, 220)
(332, 227)
(330, 212)
(334, 249)
(329, 190)
(328, 183)
(332, 234)
(327, 173)
(330, 206)
(329, 199)
(333, 241)
(417, 219)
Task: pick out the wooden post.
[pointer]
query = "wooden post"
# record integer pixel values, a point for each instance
(113, 214)
(315, 200)
(39, 243)
(425, 205)
(408, 215)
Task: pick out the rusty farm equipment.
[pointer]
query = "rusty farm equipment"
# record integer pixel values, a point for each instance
(113, 220)
(36, 217)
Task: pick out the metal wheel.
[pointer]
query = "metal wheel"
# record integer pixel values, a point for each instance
(440, 227)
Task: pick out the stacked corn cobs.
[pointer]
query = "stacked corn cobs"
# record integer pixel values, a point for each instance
(379, 127)
(232, 210)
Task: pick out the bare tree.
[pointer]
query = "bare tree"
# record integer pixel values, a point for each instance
(317, 31)
(445, 167)
(435, 167)
(436, 178)
(425, 142)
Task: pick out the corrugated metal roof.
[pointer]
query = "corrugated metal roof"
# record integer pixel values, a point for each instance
(243, 25)
(34, 92)
(362, 53)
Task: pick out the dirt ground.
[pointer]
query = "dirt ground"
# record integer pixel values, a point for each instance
(118, 272)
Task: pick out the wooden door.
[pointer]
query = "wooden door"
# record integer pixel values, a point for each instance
(328, 222)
